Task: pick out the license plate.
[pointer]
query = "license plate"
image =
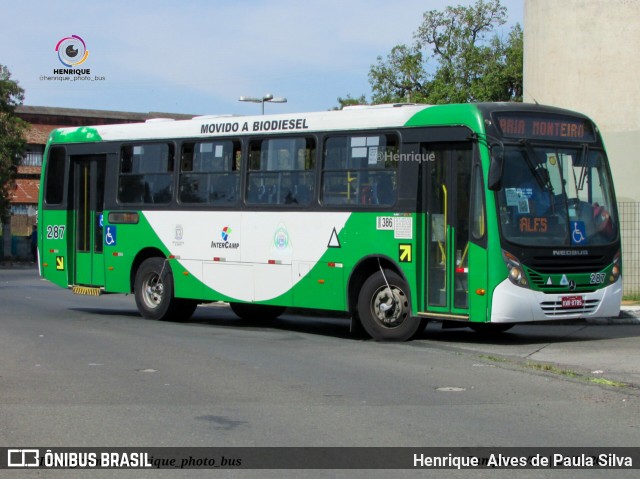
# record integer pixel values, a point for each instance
(569, 302)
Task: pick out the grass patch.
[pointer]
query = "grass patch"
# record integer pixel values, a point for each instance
(495, 359)
(608, 382)
(631, 298)
(550, 368)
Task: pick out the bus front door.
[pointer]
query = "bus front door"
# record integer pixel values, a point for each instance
(446, 187)
(88, 200)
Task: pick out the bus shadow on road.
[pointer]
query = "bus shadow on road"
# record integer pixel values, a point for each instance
(336, 327)
(220, 315)
(524, 334)
(107, 312)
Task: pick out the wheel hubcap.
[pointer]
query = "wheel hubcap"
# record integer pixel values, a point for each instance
(389, 306)
(153, 291)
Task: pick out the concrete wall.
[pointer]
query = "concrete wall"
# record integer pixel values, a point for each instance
(585, 55)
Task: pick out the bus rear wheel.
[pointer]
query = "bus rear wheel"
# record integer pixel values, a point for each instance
(384, 308)
(153, 290)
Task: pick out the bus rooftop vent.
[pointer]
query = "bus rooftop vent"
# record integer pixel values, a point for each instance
(158, 120)
(208, 117)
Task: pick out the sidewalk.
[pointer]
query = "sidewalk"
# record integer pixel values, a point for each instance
(629, 314)
(604, 351)
(600, 353)
(17, 264)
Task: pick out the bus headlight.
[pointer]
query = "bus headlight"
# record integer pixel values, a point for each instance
(516, 273)
(616, 270)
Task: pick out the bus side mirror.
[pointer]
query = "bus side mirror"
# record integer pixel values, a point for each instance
(496, 165)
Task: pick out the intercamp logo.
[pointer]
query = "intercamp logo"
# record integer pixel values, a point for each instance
(225, 233)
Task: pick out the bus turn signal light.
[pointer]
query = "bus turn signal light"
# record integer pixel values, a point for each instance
(481, 292)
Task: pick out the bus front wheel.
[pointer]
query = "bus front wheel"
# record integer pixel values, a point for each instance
(384, 308)
(153, 290)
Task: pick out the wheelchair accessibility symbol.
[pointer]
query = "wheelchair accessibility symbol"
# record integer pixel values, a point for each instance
(578, 233)
(110, 236)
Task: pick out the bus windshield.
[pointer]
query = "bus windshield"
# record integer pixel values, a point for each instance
(556, 196)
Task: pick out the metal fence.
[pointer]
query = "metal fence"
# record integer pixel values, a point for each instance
(630, 231)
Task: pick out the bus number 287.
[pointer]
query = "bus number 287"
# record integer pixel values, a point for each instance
(55, 231)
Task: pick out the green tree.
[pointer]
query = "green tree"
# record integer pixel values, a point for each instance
(456, 57)
(349, 101)
(401, 78)
(12, 141)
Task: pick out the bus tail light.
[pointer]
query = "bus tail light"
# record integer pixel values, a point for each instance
(516, 273)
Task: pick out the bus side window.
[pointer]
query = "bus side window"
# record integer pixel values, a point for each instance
(186, 159)
(146, 174)
(360, 170)
(281, 171)
(54, 182)
(209, 172)
(478, 215)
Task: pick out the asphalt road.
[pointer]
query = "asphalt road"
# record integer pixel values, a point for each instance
(85, 371)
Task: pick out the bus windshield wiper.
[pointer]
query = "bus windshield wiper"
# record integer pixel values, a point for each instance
(529, 156)
(584, 161)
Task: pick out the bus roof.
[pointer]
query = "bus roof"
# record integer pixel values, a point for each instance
(365, 117)
(360, 117)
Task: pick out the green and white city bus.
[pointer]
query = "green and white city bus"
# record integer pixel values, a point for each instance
(483, 214)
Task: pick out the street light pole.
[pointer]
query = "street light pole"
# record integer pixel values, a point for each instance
(268, 97)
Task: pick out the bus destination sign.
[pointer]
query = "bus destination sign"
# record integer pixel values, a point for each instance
(547, 127)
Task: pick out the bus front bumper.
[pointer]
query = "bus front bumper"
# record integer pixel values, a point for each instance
(512, 304)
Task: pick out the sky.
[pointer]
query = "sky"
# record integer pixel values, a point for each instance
(198, 57)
